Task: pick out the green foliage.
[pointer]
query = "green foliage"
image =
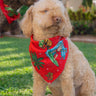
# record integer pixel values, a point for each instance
(87, 3)
(83, 22)
(93, 9)
(23, 10)
(82, 28)
(80, 15)
(11, 12)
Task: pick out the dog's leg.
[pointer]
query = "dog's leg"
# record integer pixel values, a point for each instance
(88, 86)
(67, 87)
(66, 79)
(39, 85)
(56, 91)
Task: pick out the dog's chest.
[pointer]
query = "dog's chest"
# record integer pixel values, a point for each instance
(49, 57)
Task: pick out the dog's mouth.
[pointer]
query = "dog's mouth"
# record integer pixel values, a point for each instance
(53, 29)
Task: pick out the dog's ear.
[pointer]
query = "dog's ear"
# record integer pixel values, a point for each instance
(67, 25)
(26, 23)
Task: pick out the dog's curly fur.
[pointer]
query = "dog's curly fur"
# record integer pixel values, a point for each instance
(77, 79)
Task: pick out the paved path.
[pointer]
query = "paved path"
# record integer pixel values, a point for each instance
(85, 38)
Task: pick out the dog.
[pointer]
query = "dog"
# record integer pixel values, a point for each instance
(48, 19)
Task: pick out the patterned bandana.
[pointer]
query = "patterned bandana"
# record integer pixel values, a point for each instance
(49, 56)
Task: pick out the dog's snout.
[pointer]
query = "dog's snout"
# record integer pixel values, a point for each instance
(57, 19)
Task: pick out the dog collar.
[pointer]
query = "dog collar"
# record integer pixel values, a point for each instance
(49, 56)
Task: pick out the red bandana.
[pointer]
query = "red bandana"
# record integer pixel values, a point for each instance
(5, 12)
(49, 56)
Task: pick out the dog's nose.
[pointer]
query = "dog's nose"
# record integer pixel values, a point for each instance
(57, 19)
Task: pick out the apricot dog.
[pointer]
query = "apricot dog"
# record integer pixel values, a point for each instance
(49, 18)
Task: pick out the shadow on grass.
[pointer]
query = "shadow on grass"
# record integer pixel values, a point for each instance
(13, 46)
(10, 68)
(14, 49)
(16, 80)
(16, 58)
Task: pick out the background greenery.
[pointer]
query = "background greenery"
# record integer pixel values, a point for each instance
(15, 65)
(83, 21)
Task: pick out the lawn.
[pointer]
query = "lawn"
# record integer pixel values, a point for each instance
(16, 69)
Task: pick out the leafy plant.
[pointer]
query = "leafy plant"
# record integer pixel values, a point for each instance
(87, 3)
(84, 22)
(80, 15)
(23, 10)
(11, 12)
(82, 28)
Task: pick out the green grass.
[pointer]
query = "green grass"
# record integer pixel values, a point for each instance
(16, 69)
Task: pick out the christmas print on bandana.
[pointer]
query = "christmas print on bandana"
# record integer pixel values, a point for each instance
(52, 53)
(49, 56)
(50, 76)
(45, 43)
(37, 61)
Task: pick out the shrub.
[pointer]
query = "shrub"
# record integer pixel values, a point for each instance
(83, 21)
(82, 28)
(23, 10)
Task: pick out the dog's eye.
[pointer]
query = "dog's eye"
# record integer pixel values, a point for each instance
(45, 11)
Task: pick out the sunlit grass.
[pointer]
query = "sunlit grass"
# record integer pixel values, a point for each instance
(16, 69)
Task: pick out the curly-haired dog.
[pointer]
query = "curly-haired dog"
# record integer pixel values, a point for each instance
(47, 19)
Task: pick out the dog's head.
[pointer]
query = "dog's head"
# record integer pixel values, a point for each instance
(49, 16)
